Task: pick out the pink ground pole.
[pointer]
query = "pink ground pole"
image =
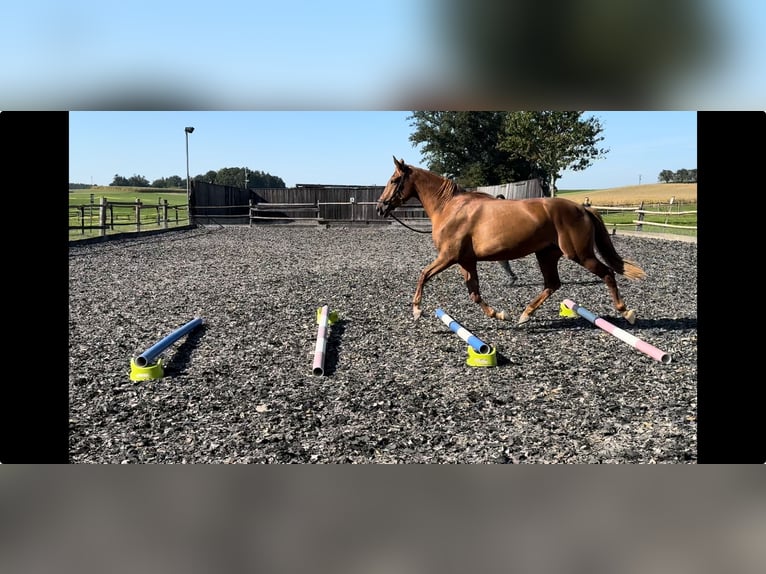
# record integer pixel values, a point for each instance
(624, 336)
(321, 345)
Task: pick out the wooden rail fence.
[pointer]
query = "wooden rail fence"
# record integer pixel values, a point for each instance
(641, 221)
(110, 215)
(113, 214)
(359, 211)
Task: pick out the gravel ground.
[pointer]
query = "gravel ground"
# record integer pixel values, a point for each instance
(240, 388)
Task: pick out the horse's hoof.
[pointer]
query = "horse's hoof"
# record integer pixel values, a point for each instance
(630, 316)
(416, 313)
(523, 319)
(500, 316)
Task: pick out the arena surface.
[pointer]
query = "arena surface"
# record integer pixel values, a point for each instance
(240, 388)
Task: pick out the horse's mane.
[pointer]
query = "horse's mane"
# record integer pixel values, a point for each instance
(448, 188)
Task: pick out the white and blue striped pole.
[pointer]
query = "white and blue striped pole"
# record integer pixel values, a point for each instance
(477, 344)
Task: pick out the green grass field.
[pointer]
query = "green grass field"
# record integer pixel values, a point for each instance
(654, 197)
(84, 210)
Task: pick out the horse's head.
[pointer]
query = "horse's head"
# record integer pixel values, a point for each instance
(398, 189)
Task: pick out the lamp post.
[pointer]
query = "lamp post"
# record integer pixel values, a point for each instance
(188, 130)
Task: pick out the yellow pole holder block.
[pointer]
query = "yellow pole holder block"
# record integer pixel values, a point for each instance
(146, 373)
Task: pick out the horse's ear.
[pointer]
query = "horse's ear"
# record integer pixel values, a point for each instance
(399, 163)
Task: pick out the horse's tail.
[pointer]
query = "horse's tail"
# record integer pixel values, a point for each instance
(606, 248)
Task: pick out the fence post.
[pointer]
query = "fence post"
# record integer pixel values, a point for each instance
(165, 213)
(102, 216)
(138, 215)
(670, 208)
(640, 216)
(250, 213)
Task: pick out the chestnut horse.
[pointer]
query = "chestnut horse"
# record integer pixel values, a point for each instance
(469, 226)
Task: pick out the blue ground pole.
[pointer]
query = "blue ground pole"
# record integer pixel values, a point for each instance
(477, 344)
(155, 350)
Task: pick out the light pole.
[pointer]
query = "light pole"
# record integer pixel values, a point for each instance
(188, 130)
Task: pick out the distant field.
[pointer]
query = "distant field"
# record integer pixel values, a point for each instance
(635, 194)
(145, 194)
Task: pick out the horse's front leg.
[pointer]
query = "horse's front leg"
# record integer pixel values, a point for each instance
(472, 284)
(437, 266)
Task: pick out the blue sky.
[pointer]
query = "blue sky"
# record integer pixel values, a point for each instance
(343, 54)
(338, 147)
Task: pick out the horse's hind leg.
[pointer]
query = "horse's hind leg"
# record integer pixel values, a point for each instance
(506, 265)
(472, 284)
(548, 261)
(596, 267)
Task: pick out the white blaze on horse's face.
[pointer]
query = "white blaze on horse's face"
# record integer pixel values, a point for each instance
(393, 194)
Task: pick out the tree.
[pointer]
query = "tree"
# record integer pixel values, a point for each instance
(680, 176)
(138, 181)
(235, 176)
(133, 181)
(552, 141)
(666, 176)
(464, 146)
(261, 180)
(208, 177)
(174, 181)
(119, 181)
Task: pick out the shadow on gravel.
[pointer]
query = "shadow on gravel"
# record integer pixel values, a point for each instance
(178, 362)
(333, 342)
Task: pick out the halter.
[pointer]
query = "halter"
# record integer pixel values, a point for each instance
(397, 193)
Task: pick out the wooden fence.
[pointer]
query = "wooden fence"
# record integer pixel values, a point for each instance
(350, 211)
(309, 204)
(137, 216)
(666, 210)
(225, 205)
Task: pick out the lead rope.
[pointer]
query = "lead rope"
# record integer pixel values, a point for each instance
(407, 226)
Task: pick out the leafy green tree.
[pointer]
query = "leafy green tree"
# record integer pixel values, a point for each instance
(138, 181)
(680, 176)
(552, 141)
(232, 176)
(207, 177)
(119, 181)
(666, 176)
(235, 176)
(490, 148)
(174, 181)
(259, 179)
(464, 146)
